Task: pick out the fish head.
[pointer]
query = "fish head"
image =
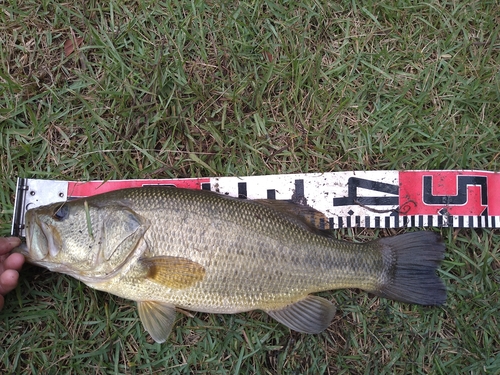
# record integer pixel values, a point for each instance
(84, 238)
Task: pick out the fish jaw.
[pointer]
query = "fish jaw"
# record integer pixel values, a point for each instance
(36, 240)
(42, 245)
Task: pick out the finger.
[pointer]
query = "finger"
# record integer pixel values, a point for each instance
(8, 281)
(8, 243)
(14, 262)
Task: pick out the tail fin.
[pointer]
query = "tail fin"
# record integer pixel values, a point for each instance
(411, 261)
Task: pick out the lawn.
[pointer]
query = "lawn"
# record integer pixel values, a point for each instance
(158, 89)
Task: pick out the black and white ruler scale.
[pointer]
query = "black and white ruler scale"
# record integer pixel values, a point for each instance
(365, 199)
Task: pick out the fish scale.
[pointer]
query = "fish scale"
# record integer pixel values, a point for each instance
(197, 250)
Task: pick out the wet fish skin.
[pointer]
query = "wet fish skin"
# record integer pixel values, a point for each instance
(197, 250)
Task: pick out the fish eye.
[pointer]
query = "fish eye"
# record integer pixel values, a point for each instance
(61, 213)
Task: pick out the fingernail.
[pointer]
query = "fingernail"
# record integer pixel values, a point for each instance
(13, 241)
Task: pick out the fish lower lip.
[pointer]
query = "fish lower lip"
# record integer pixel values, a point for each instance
(29, 232)
(22, 249)
(30, 224)
(49, 238)
(36, 239)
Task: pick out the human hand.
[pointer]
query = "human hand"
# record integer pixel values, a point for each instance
(9, 265)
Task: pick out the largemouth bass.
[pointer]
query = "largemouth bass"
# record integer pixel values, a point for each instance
(197, 250)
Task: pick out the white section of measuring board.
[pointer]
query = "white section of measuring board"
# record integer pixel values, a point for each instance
(320, 190)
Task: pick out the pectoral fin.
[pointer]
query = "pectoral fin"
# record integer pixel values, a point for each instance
(313, 314)
(173, 272)
(157, 318)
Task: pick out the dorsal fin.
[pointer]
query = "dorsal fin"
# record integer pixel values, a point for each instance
(309, 217)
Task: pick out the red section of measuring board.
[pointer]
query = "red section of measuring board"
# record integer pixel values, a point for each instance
(466, 193)
(86, 189)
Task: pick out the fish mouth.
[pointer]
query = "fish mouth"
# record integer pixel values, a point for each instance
(22, 249)
(39, 239)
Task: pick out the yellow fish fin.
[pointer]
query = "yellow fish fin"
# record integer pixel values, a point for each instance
(307, 216)
(157, 318)
(313, 314)
(173, 272)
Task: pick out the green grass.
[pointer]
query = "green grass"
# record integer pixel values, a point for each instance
(192, 88)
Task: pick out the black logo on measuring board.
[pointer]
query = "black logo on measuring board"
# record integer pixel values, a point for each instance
(462, 192)
(353, 183)
(463, 182)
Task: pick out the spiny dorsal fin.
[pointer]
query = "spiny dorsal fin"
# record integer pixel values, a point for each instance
(313, 314)
(173, 272)
(157, 318)
(311, 218)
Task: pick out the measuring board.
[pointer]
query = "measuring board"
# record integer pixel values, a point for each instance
(373, 199)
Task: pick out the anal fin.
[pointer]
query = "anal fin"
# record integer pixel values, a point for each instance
(157, 318)
(313, 314)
